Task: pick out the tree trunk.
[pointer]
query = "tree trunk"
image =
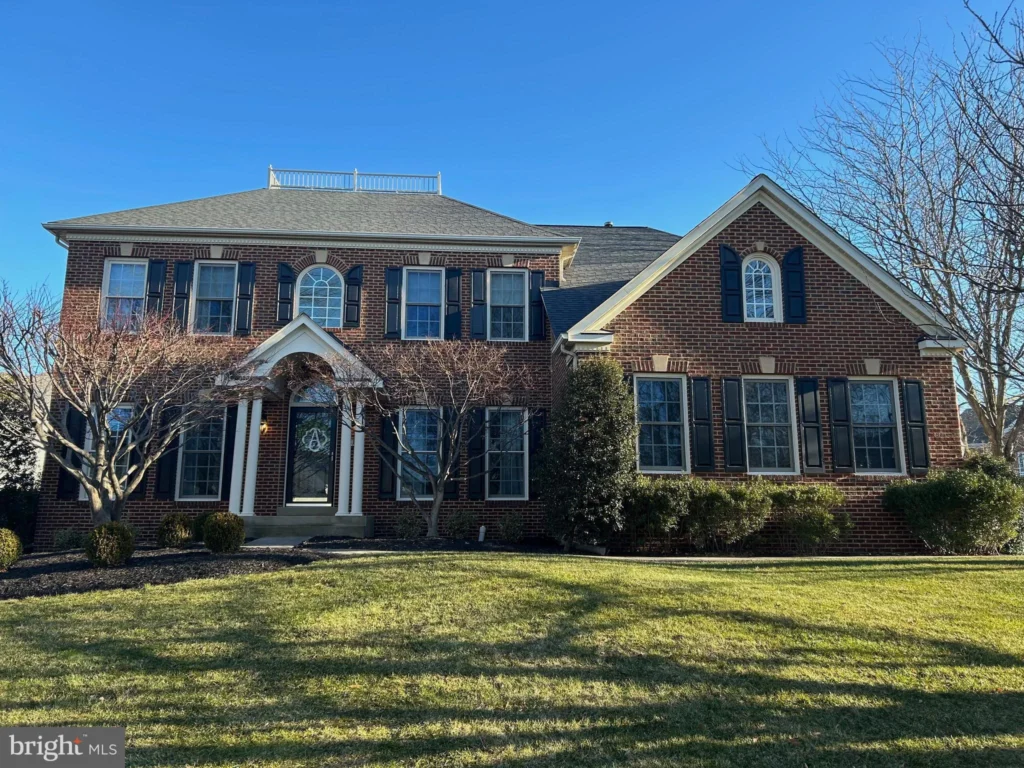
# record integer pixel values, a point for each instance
(434, 523)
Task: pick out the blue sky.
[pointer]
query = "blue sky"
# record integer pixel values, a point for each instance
(549, 112)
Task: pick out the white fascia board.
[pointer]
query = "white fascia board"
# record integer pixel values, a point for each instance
(940, 347)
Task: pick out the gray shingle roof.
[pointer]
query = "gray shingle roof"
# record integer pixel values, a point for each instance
(311, 211)
(606, 259)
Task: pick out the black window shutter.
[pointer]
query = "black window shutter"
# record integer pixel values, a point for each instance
(476, 464)
(285, 293)
(229, 452)
(537, 330)
(916, 427)
(809, 407)
(794, 291)
(451, 488)
(67, 485)
(478, 315)
(387, 486)
(246, 287)
(393, 311)
(155, 280)
(537, 424)
(182, 290)
(353, 297)
(453, 304)
(167, 464)
(842, 429)
(702, 436)
(732, 285)
(732, 412)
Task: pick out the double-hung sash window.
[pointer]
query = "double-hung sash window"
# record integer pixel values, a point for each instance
(124, 293)
(768, 414)
(201, 460)
(506, 453)
(420, 432)
(422, 303)
(507, 305)
(661, 414)
(874, 418)
(214, 305)
(118, 436)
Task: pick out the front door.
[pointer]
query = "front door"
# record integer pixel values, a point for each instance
(311, 438)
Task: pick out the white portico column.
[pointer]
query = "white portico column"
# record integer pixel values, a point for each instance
(345, 462)
(252, 458)
(357, 463)
(238, 460)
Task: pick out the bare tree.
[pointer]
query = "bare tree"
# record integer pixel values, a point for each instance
(130, 388)
(908, 166)
(434, 395)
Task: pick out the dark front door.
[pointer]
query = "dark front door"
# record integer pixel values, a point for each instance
(311, 437)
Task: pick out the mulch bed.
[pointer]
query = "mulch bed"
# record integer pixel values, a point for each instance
(529, 546)
(60, 573)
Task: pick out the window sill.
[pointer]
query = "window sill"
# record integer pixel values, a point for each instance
(197, 499)
(773, 472)
(663, 471)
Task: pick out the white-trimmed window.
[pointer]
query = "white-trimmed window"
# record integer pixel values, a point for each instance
(118, 419)
(124, 292)
(420, 430)
(762, 289)
(321, 296)
(875, 420)
(1020, 463)
(768, 415)
(422, 302)
(201, 460)
(213, 304)
(506, 304)
(507, 459)
(661, 418)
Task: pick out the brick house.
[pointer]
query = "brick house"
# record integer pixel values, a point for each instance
(760, 343)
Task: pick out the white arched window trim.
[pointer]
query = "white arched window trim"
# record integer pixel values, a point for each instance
(298, 292)
(776, 272)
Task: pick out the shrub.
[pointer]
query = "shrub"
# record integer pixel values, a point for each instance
(963, 511)
(18, 509)
(224, 532)
(461, 524)
(198, 524)
(993, 466)
(110, 544)
(68, 538)
(589, 454)
(10, 548)
(511, 527)
(409, 524)
(175, 530)
(653, 507)
(807, 512)
(719, 515)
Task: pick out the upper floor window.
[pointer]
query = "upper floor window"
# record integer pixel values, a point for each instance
(761, 290)
(506, 305)
(873, 416)
(321, 292)
(771, 434)
(422, 301)
(124, 292)
(661, 414)
(201, 461)
(213, 310)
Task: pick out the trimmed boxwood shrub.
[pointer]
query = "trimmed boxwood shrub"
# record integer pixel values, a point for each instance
(175, 530)
(653, 508)
(963, 511)
(409, 524)
(511, 527)
(68, 538)
(719, 515)
(198, 523)
(461, 524)
(224, 532)
(10, 548)
(807, 513)
(109, 545)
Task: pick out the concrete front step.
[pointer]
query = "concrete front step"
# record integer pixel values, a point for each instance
(307, 526)
(307, 510)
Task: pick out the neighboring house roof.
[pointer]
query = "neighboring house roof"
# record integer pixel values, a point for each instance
(975, 435)
(316, 212)
(762, 190)
(605, 260)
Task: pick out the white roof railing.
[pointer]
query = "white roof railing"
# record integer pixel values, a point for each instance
(353, 181)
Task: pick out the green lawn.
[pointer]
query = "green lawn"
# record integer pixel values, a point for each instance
(534, 661)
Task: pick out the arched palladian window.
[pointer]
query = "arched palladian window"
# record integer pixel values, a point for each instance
(762, 290)
(320, 295)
